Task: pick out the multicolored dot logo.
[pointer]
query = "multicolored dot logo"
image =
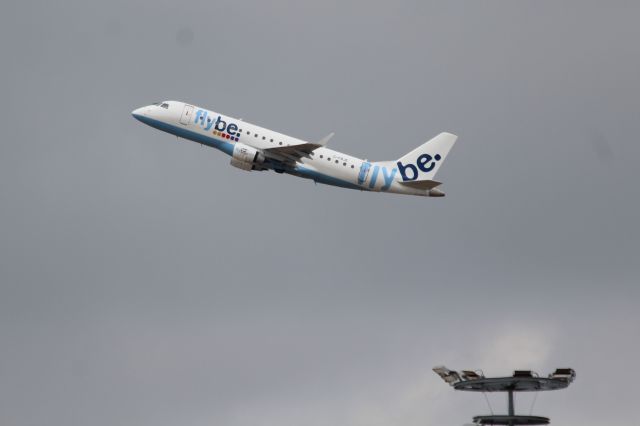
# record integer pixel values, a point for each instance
(226, 136)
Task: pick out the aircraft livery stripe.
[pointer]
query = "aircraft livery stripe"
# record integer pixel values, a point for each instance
(225, 147)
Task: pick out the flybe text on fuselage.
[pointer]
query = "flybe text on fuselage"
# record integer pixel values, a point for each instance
(411, 174)
(227, 130)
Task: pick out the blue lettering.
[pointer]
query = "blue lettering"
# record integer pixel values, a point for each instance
(423, 163)
(374, 177)
(403, 171)
(388, 178)
(199, 115)
(209, 123)
(220, 122)
(362, 176)
(424, 159)
(203, 119)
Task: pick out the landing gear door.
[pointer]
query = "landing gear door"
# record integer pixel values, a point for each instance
(364, 172)
(187, 113)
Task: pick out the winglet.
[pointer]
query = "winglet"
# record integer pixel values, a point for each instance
(323, 141)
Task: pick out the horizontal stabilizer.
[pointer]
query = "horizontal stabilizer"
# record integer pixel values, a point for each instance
(422, 184)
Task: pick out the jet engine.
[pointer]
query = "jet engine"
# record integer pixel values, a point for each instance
(247, 158)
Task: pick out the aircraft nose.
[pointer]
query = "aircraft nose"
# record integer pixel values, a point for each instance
(138, 113)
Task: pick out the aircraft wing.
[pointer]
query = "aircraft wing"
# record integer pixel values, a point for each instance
(295, 152)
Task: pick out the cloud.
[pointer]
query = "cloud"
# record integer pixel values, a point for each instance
(521, 346)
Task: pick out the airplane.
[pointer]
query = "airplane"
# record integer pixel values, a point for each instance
(255, 148)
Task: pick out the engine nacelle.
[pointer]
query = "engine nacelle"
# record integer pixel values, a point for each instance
(246, 158)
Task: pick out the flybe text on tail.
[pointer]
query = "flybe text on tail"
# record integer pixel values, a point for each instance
(424, 163)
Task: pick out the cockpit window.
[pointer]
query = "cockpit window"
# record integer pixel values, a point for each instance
(165, 105)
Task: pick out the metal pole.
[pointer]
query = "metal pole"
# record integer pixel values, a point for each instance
(511, 409)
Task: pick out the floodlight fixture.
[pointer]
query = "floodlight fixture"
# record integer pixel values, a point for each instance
(520, 381)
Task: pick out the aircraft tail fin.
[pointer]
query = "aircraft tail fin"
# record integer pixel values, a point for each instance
(423, 162)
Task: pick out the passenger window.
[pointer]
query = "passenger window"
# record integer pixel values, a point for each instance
(280, 143)
(352, 166)
(263, 138)
(255, 136)
(344, 164)
(321, 156)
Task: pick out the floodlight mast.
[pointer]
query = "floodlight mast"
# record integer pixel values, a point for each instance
(521, 381)
(512, 410)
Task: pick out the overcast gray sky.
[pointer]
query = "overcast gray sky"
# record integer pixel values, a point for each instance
(143, 281)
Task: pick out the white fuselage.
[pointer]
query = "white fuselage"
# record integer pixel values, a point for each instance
(320, 164)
